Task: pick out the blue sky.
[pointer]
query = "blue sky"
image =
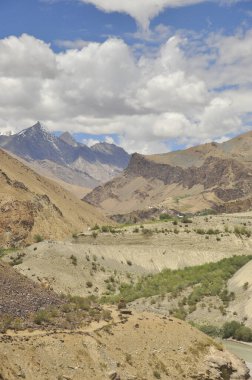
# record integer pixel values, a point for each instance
(179, 70)
(72, 20)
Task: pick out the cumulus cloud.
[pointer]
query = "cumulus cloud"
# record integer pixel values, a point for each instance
(147, 101)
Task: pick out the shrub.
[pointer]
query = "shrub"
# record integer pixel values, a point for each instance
(74, 260)
(105, 229)
(237, 331)
(17, 260)
(147, 232)
(242, 231)
(200, 231)
(210, 278)
(96, 227)
(186, 220)
(244, 334)
(42, 316)
(229, 329)
(245, 285)
(211, 330)
(89, 284)
(165, 216)
(38, 238)
(156, 374)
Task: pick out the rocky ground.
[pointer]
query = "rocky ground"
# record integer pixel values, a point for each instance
(140, 347)
(20, 296)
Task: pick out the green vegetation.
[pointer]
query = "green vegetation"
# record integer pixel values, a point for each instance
(233, 329)
(17, 260)
(210, 231)
(205, 280)
(42, 316)
(5, 251)
(237, 331)
(38, 238)
(8, 322)
(211, 330)
(95, 228)
(165, 216)
(242, 231)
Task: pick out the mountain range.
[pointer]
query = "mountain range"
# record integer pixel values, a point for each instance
(64, 158)
(210, 176)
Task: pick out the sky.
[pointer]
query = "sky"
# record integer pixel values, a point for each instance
(149, 75)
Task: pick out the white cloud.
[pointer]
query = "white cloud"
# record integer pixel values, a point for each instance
(148, 101)
(144, 11)
(109, 140)
(26, 57)
(75, 44)
(90, 142)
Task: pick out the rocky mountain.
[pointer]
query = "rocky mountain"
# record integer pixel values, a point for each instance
(212, 175)
(66, 159)
(33, 205)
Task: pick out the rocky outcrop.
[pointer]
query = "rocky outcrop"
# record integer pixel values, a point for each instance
(214, 172)
(223, 365)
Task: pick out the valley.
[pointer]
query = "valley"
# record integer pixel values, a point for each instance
(126, 190)
(78, 287)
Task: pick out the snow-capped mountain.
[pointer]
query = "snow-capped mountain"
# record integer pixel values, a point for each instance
(65, 158)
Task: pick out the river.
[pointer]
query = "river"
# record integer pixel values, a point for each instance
(242, 350)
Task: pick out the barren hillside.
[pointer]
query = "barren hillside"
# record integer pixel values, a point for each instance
(208, 176)
(33, 205)
(145, 347)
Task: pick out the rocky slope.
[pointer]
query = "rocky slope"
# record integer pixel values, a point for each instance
(143, 347)
(31, 204)
(66, 159)
(208, 176)
(20, 296)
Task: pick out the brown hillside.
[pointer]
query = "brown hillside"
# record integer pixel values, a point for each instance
(31, 204)
(208, 176)
(145, 347)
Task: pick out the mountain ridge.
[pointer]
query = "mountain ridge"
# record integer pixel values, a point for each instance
(77, 163)
(207, 176)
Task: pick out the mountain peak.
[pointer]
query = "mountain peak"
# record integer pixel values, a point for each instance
(68, 139)
(36, 128)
